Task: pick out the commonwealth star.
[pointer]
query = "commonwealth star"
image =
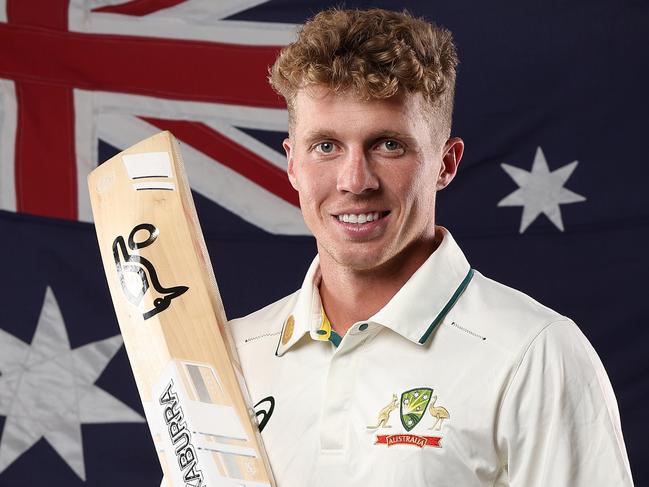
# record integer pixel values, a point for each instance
(540, 191)
(47, 390)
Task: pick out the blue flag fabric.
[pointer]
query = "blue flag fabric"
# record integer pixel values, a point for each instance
(550, 197)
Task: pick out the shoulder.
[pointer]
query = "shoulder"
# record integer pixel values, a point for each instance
(262, 324)
(508, 318)
(527, 336)
(507, 301)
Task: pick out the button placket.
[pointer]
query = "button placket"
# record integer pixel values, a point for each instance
(337, 401)
(340, 390)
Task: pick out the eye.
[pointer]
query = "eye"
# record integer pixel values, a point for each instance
(325, 147)
(391, 147)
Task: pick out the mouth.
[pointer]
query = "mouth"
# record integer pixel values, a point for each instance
(361, 218)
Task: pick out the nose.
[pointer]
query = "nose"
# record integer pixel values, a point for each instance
(355, 173)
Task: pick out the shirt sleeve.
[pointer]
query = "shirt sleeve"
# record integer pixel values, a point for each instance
(559, 423)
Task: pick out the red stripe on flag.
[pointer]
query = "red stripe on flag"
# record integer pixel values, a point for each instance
(52, 13)
(169, 68)
(47, 62)
(46, 180)
(232, 155)
(139, 8)
(45, 164)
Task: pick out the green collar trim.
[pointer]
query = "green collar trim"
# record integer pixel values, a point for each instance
(456, 295)
(335, 338)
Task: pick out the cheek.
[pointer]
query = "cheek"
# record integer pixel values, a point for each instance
(417, 195)
(409, 186)
(314, 185)
(311, 197)
(309, 190)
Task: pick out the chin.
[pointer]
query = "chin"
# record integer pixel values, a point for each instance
(361, 261)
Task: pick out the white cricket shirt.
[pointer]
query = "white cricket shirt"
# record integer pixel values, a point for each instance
(458, 381)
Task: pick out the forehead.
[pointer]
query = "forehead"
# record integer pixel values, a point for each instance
(319, 109)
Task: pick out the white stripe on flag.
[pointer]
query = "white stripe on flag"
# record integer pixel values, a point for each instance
(237, 115)
(214, 180)
(79, 12)
(8, 117)
(3, 10)
(262, 150)
(85, 145)
(193, 27)
(207, 11)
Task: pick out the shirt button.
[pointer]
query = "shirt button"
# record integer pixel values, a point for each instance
(363, 327)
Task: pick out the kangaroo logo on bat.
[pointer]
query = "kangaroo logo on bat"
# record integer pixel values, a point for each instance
(137, 274)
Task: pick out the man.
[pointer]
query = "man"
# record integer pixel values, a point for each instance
(396, 362)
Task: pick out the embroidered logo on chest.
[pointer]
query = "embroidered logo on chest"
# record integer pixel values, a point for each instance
(414, 406)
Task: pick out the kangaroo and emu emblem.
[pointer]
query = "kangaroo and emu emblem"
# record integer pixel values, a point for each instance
(412, 409)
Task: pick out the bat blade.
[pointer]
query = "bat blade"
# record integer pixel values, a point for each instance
(172, 320)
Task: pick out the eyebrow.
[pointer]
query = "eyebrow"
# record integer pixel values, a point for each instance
(390, 134)
(316, 135)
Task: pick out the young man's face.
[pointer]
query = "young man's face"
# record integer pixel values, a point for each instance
(367, 173)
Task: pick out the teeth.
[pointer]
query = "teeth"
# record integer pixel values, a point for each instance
(360, 218)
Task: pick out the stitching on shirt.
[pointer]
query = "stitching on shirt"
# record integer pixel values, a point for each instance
(468, 331)
(520, 360)
(252, 339)
(529, 344)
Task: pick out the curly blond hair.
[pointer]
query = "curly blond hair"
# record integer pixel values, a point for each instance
(375, 53)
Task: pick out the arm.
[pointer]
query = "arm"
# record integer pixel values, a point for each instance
(559, 423)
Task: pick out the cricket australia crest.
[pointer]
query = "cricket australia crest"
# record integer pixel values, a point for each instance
(137, 274)
(413, 405)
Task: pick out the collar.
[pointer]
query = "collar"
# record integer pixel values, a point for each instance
(413, 312)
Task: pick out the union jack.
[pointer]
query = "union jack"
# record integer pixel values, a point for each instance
(74, 72)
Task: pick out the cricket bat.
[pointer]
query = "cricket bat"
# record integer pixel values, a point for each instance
(172, 320)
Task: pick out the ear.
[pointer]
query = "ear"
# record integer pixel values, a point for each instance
(451, 157)
(288, 148)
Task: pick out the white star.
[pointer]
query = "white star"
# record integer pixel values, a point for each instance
(540, 191)
(47, 390)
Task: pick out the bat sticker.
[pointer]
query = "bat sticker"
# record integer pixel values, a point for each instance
(181, 437)
(135, 271)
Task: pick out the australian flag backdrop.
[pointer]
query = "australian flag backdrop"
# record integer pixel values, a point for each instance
(551, 197)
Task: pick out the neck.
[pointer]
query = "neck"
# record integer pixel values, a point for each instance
(351, 295)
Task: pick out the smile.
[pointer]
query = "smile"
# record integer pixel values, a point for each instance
(360, 218)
